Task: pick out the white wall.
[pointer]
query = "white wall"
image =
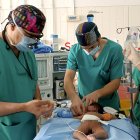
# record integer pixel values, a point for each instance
(45, 5)
(106, 2)
(109, 15)
(87, 3)
(108, 20)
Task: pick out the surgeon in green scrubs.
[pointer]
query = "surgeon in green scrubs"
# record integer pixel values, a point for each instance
(20, 103)
(136, 109)
(99, 63)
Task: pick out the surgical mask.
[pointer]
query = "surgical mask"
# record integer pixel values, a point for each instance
(86, 52)
(93, 51)
(25, 42)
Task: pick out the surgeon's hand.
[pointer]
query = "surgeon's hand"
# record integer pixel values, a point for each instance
(48, 114)
(91, 98)
(77, 106)
(39, 107)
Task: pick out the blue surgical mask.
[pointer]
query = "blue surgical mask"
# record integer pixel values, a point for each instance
(94, 51)
(25, 43)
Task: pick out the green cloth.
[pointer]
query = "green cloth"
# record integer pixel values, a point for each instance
(136, 110)
(95, 74)
(18, 79)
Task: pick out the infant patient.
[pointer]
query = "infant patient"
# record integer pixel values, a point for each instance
(92, 128)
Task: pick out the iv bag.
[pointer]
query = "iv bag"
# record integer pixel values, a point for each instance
(133, 38)
(132, 46)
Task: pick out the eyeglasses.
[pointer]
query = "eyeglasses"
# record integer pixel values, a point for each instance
(33, 35)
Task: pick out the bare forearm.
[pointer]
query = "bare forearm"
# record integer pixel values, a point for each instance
(37, 94)
(109, 88)
(135, 95)
(9, 108)
(70, 89)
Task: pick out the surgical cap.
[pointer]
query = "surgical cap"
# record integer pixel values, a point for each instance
(87, 33)
(29, 18)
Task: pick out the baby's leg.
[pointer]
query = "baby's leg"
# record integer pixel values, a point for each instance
(98, 131)
(85, 127)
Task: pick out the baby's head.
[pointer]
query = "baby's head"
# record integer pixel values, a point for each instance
(95, 107)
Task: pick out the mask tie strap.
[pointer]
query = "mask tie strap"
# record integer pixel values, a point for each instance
(16, 24)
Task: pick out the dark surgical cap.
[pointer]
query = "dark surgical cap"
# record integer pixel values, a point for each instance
(87, 33)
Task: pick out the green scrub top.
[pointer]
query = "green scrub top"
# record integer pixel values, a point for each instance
(95, 74)
(136, 111)
(18, 78)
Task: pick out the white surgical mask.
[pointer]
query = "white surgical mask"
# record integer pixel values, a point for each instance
(86, 52)
(94, 50)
